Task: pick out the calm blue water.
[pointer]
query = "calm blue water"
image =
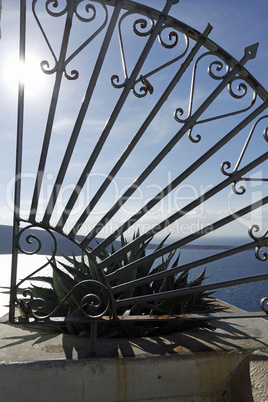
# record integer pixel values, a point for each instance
(246, 296)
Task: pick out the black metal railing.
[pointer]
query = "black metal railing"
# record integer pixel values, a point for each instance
(142, 68)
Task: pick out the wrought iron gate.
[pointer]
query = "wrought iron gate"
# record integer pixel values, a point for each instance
(132, 117)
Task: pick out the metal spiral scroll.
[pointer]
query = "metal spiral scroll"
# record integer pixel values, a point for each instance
(264, 304)
(26, 306)
(34, 241)
(217, 70)
(173, 38)
(263, 239)
(92, 305)
(90, 9)
(218, 65)
(143, 27)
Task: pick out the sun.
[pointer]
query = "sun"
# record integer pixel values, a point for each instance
(28, 72)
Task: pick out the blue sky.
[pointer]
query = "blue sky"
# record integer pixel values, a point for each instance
(235, 25)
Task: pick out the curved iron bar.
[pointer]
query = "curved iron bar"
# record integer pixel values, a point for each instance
(92, 301)
(45, 63)
(156, 70)
(88, 7)
(55, 5)
(264, 304)
(180, 111)
(143, 24)
(144, 78)
(147, 87)
(227, 165)
(172, 37)
(94, 35)
(241, 87)
(29, 238)
(256, 228)
(51, 113)
(144, 89)
(39, 243)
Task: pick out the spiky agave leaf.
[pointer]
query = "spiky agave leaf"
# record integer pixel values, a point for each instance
(64, 282)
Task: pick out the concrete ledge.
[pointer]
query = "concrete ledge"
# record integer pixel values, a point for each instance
(188, 366)
(163, 378)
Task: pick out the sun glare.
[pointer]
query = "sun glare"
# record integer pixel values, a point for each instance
(29, 73)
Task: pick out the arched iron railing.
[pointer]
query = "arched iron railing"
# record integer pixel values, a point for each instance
(121, 76)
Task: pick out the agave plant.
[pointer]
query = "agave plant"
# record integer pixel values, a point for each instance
(71, 271)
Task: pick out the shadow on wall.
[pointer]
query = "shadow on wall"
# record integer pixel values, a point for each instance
(227, 336)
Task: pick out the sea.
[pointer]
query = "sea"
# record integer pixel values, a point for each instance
(245, 264)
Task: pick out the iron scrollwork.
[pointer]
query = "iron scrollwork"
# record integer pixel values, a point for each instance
(218, 65)
(217, 70)
(33, 240)
(28, 306)
(144, 89)
(173, 38)
(78, 9)
(95, 299)
(225, 166)
(264, 304)
(55, 4)
(92, 305)
(143, 27)
(264, 242)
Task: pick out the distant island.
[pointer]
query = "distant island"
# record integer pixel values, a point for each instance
(65, 246)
